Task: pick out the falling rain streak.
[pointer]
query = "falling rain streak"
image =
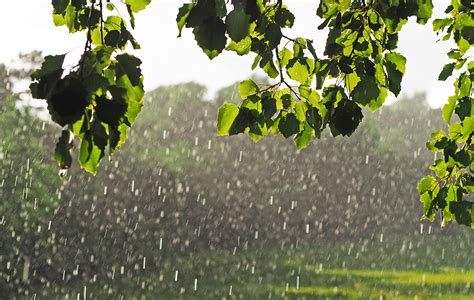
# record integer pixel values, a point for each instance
(179, 213)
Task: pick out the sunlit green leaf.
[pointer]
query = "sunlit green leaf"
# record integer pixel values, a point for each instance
(137, 5)
(183, 13)
(395, 64)
(247, 88)
(227, 114)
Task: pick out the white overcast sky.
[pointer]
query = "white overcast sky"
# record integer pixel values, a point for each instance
(167, 59)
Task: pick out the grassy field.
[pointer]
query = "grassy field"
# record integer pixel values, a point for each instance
(339, 270)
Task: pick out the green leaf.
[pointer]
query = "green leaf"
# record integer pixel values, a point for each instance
(446, 72)
(202, 11)
(440, 24)
(428, 211)
(130, 66)
(183, 14)
(426, 184)
(395, 65)
(60, 6)
(439, 168)
(221, 9)
(303, 139)
(131, 15)
(137, 5)
(438, 142)
(284, 57)
(111, 111)
(267, 65)
(347, 117)
(448, 109)
(45, 78)
(465, 86)
(300, 111)
(59, 20)
(462, 158)
(62, 153)
(68, 100)
(284, 18)
(247, 88)
(51, 65)
(467, 127)
(463, 212)
(369, 94)
(244, 119)
(210, 36)
(227, 114)
(298, 71)
(241, 48)
(465, 108)
(425, 10)
(237, 22)
(273, 35)
(309, 94)
(90, 154)
(269, 107)
(289, 125)
(329, 8)
(455, 131)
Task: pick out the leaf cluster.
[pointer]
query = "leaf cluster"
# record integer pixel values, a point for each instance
(98, 99)
(447, 192)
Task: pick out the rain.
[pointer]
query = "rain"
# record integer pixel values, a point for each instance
(179, 213)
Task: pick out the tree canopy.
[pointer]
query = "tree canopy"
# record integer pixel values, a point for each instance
(97, 100)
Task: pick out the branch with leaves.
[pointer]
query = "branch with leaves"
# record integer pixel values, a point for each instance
(98, 100)
(447, 193)
(100, 97)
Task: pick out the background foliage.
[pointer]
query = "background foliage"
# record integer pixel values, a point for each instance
(178, 198)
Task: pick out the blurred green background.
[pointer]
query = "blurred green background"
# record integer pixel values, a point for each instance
(178, 213)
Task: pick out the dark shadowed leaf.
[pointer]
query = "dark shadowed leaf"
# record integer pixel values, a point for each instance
(210, 36)
(237, 22)
(347, 117)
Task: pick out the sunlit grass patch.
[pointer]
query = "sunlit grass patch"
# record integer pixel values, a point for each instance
(321, 291)
(405, 277)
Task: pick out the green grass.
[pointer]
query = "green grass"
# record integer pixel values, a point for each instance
(340, 270)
